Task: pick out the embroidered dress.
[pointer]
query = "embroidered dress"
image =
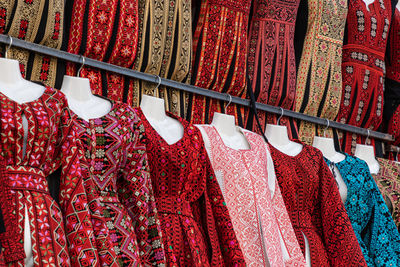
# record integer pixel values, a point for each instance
(118, 161)
(61, 235)
(164, 49)
(392, 79)
(315, 208)
(258, 219)
(219, 51)
(271, 59)
(105, 31)
(38, 22)
(388, 181)
(197, 229)
(319, 77)
(363, 67)
(371, 220)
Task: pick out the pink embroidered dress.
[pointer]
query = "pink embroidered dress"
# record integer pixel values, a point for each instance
(258, 218)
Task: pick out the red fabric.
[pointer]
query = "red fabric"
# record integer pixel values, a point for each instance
(315, 208)
(363, 67)
(197, 229)
(393, 62)
(219, 64)
(271, 39)
(118, 161)
(105, 42)
(62, 235)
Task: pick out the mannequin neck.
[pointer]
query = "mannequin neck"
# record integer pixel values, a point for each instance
(398, 6)
(224, 124)
(327, 147)
(10, 72)
(367, 154)
(153, 108)
(277, 135)
(77, 88)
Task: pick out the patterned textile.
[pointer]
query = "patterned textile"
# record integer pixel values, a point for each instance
(315, 208)
(117, 156)
(271, 59)
(371, 220)
(319, 77)
(392, 81)
(258, 218)
(197, 229)
(219, 63)
(105, 31)
(164, 49)
(388, 181)
(34, 21)
(363, 67)
(62, 235)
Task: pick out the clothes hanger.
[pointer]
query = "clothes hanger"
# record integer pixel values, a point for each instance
(158, 85)
(78, 74)
(8, 47)
(282, 113)
(230, 101)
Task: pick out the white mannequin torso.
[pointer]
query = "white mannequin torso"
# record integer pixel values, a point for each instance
(398, 5)
(168, 128)
(16, 88)
(278, 137)
(327, 147)
(229, 132)
(81, 100)
(367, 153)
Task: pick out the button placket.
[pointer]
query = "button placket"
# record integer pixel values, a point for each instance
(93, 145)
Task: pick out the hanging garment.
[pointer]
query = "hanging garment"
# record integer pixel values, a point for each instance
(164, 49)
(38, 22)
(61, 235)
(271, 59)
(105, 31)
(388, 181)
(258, 218)
(197, 229)
(319, 76)
(392, 79)
(219, 64)
(315, 208)
(117, 156)
(363, 67)
(371, 220)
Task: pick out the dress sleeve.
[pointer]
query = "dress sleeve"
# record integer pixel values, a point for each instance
(380, 236)
(341, 243)
(214, 215)
(72, 197)
(137, 196)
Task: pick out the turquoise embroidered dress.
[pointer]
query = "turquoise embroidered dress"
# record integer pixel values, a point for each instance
(371, 220)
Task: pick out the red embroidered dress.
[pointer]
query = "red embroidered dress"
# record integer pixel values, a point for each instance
(271, 59)
(259, 219)
(219, 51)
(363, 67)
(197, 229)
(105, 31)
(62, 235)
(118, 161)
(315, 208)
(392, 80)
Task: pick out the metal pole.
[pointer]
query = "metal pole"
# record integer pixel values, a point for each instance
(188, 88)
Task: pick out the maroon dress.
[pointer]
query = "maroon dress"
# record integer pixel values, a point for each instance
(363, 67)
(315, 208)
(195, 222)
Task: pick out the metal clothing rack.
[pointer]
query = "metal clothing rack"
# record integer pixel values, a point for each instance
(4, 39)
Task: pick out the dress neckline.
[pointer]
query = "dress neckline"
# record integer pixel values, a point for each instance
(298, 155)
(154, 132)
(113, 105)
(230, 148)
(46, 90)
